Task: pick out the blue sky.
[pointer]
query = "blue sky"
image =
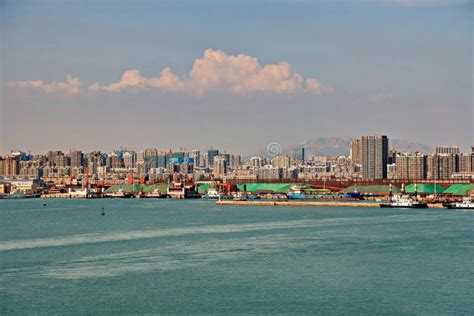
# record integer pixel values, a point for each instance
(403, 68)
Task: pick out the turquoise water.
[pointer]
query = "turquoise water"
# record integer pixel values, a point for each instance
(185, 257)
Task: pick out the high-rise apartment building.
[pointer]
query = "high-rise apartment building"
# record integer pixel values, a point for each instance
(452, 150)
(210, 156)
(281, 162)
(129, 159)
(219, 166)
(356, 151)
(196, 155)
(10, 166)
(442, 166)
(466, 162)
(411, 166)
(374, 156)
(77, 158)
(255, 162)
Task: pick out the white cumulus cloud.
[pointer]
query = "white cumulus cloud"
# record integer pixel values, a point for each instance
(72, 85)
(216, 70)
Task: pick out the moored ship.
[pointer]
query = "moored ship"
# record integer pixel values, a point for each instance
(17, 194)
(403, 201)
(121, 193)
(181, 188)
(467, 203)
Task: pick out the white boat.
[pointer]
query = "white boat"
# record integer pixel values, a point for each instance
(120, 193)
(153, 194)
(213, 194)
(17, 194)
(403, 201)
(467, 203)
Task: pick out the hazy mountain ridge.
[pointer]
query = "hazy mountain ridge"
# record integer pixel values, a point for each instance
(340, 146)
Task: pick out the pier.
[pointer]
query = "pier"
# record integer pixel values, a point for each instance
(310, 203)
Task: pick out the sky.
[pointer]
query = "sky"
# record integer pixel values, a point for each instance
(233, 75)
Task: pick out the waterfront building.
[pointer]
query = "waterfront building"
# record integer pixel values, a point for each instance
(411, 166)
(441, 166)
(374, 158)
(25, 186)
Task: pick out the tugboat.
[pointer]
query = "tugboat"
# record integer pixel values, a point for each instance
(467, 203)
(403, 201)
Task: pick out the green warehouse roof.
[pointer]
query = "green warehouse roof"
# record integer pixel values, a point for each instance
(424, 188)
(203, 187)
(460, 189)
(275, 187)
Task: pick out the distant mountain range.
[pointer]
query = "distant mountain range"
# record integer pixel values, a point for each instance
(340, 146)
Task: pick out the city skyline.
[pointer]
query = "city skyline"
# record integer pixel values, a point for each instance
(370, 158)
(362, 67)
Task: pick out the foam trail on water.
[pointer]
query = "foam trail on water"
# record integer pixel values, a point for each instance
(143, 234)
(178, 255)
(174, 232)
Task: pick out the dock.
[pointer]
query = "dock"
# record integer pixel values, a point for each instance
(309, 203)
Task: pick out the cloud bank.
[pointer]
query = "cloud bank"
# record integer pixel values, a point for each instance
(71, 86)
(215, 71)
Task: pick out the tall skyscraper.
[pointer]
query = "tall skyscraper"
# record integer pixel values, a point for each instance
(196, 155)
(374, 158)
(356, 151)
(210, 156)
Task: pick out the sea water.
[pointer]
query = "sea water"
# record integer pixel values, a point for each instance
(148, 256)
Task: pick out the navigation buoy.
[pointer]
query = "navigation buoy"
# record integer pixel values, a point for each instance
(103, 211)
